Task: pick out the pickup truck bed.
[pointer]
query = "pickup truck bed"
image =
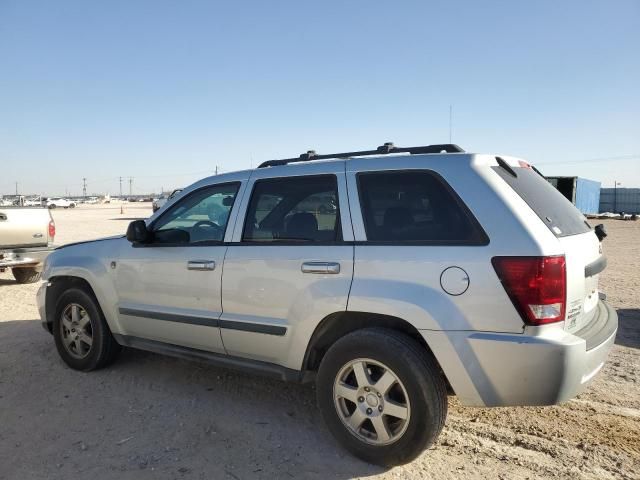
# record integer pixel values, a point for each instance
(26, 237)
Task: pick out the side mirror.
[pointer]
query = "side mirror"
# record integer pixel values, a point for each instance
(601, 232)
(137, 232)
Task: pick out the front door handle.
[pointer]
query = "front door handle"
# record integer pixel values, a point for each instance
(201, 265)
(321, 267)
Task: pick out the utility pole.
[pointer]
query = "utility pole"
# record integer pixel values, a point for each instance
(121, 187)
(16, 189)
(130, 185)
(84, 187)
(615, 195)
(216, 169)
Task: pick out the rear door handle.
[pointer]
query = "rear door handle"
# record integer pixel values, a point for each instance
(201, 265)
(321, 267)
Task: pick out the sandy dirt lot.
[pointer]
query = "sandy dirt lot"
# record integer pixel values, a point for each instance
(150, 416)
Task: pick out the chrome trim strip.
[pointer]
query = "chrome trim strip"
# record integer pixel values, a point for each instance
(207, 322)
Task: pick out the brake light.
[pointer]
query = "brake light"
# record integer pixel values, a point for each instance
(52, 230)
(537, 286)
(524, 164)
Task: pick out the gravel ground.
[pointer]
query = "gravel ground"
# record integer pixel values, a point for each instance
(150, 416)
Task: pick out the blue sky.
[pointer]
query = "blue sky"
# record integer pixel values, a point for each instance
(165, 91)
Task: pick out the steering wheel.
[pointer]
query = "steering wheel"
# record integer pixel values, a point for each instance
(207, 224)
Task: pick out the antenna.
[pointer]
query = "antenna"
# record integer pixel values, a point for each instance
(450, 121)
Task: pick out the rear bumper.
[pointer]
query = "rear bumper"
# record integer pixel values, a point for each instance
(24, 257)
(544, 368)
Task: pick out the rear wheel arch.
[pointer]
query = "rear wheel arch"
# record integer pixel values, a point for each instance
(339, 324)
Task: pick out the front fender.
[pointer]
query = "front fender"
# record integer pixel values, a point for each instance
(92, 270)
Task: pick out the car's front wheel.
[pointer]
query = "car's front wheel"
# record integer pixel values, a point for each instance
(81, 334)
(382, 395)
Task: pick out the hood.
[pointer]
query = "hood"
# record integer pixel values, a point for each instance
(84, 242)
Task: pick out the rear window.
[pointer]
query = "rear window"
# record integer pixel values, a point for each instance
(415, 207)
(557, 213)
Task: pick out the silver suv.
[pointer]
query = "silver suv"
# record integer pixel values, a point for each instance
(389, 277)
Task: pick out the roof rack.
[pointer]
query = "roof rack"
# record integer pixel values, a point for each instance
(385, 149)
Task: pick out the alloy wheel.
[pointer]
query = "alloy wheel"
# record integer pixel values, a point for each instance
(371, 401)
(77, 334)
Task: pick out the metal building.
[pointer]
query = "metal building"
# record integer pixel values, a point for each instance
(618, 200)
(583, 193)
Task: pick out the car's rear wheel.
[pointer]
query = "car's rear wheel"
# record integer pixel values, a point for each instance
(382, 395)
(81, 334)
(26, 274)
(53, 205)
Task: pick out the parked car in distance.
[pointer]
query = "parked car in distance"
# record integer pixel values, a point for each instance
(32, 202)
(388, 277)
(160, 202)
(26, 238)
(59, 202)
(22, 201)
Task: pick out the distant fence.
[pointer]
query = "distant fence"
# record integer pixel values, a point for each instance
(624, 200)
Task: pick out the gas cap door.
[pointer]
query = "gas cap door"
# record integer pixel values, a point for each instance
(454, 281)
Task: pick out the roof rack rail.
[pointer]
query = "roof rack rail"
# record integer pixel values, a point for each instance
(385, 149)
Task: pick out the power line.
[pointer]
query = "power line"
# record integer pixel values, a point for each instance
(593, 160)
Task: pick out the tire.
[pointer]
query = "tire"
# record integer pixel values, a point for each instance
(419, 388)
(72, 205)
(53, 205)
(26, 274)
(79, 354)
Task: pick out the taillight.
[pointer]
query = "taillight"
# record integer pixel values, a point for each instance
(52, 230)
(537, 286)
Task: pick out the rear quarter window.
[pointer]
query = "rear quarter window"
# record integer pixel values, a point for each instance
(556, 212)
(415, 207)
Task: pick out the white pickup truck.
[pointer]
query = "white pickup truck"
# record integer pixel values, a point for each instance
(26, 237)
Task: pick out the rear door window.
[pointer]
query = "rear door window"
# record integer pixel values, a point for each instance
(553, 208)
(294, 209)
(415, 207)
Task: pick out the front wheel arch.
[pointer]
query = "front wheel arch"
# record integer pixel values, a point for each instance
(57, 286)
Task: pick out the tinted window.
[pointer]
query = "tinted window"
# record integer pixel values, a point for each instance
(297, 209)
(557, 213)
(200, 217)
(415, 206)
